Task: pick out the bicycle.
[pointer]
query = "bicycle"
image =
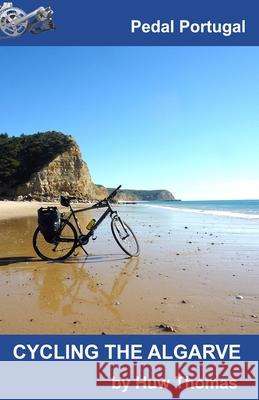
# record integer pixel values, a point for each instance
(70, 237)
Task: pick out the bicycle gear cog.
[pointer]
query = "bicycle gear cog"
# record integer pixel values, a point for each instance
(7, 18)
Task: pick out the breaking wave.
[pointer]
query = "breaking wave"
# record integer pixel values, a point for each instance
(219, 213)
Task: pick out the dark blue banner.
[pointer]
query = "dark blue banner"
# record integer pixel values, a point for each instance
(128, 347)
(138, 23)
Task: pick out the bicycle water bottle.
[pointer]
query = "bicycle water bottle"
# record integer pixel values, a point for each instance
(91, 224)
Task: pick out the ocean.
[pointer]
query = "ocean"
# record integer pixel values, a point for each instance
(248, 209)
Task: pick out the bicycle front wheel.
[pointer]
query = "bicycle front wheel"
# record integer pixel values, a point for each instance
(125, 237)
(64, 245)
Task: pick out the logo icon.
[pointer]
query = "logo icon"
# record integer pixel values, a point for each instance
(15, 22)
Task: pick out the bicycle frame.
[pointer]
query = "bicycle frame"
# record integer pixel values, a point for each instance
(100, 204)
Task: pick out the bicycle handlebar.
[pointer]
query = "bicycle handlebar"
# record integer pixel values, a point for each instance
(113, 194)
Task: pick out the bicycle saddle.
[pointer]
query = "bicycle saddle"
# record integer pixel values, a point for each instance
(65, 200)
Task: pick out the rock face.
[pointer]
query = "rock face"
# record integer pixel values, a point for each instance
(67, 174)
(45, 165)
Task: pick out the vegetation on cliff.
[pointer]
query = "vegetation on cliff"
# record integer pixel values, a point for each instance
(24, 155)
(143, 195)
(46, 164)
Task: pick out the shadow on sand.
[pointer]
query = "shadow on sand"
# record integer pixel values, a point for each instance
(91, 258)
(16, 260)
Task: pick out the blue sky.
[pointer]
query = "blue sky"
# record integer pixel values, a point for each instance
(184, 119)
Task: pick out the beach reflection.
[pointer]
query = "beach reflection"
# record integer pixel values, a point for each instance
(65, 288)
(79, 289)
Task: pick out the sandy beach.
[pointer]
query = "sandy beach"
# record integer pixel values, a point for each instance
(196, 273)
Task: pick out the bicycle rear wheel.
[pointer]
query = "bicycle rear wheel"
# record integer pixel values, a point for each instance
(64, 246)
(125, 237)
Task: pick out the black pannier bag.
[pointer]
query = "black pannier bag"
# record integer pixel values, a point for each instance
(49, 221)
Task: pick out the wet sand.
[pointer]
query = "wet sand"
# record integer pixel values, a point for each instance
(17, 209)
(190, 271)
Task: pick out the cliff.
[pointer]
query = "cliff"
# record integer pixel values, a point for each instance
(67, 174)
(45, 165)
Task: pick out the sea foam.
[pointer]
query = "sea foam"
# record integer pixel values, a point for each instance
(219, 213)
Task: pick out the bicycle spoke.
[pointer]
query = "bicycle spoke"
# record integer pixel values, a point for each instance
(125, 237)
(64, 246)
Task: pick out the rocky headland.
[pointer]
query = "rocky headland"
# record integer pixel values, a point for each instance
(45, 165)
